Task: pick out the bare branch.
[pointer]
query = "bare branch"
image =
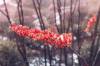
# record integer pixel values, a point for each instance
(38, 12)
(7, 13)
(55, 16)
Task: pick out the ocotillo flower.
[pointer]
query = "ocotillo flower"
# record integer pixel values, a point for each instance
(50, 38)
(90, 23)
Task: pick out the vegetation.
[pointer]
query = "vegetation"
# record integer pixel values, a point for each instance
(45, 19)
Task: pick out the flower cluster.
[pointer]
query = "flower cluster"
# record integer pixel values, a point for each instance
(90, 23)
(50, 38)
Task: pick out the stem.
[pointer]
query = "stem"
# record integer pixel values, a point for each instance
(65, 56)
(7, 13)
(55, 17)
(19, 13)
(60, 15)
(21, 9)
(79, 56)
(50, 55)
(39, 9)
(38, 12)
(78, 32)
(21, 46)
(79, 16)
(60, 57)
(70, 16)
(64, 16)
(45, 55)
(94, 39)
(97, 51)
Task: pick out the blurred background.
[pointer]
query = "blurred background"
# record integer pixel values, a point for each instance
(9, 53)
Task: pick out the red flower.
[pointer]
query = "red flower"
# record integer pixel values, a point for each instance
(50, 38)
(90, 23)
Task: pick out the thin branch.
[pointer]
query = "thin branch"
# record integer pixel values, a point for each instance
(60, 56)
(97, 57)
(78, 23)
(21, 9)
(94, 39)
(21, 46)
(18, 9)
(65, 55)
(60, 15)
(38, 12)
(97, 51)
(75, 6)
(50, 55)
(84, 60)
(7, 13)
(71, 15)
(64, 15)
(55, 16)
(70, 24)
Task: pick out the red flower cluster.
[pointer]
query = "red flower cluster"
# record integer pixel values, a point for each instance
(90, 23)
(50, 38)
